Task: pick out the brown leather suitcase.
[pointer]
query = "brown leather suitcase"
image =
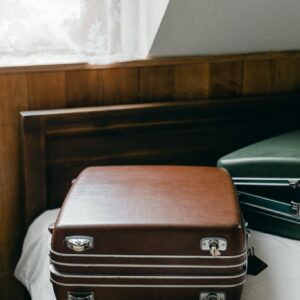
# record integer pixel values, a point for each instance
(151, 233)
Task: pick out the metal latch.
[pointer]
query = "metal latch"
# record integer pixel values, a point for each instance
(214, 245)
(79, 243)
(81, 296)
(294, 183)
(212, 296)
(295, 209)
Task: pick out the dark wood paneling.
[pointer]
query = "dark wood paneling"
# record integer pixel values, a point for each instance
(13, 98)
(287, 76)
(36, 175)
(226, 79)
(162, 61)
(83, 88)
(157, 84)
(120, 86)
(192, 81)
(259, 77)
(46, 90)
(196, 133)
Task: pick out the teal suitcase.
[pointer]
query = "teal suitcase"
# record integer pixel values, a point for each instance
(267, 179)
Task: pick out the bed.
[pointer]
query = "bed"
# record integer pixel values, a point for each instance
(58, 144)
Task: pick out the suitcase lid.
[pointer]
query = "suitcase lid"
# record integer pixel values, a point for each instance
(150, 210)
(270, 162)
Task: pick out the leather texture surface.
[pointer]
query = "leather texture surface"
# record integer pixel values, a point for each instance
(277, 157)
(158, 210)
(147, 223)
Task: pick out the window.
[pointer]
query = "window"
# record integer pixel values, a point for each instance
(65, 31)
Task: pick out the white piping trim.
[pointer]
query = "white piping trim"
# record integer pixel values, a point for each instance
(148, 277)
(263, 178)
(148, 286)
(147, 256)
(259, 181)
(148, 266)
(261, 184)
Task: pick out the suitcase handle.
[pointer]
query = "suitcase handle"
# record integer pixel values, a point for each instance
(80, 296)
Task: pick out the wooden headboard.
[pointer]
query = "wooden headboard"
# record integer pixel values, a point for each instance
(58, 144)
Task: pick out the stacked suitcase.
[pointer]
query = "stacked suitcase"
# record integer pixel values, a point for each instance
(151, 233)
(267, 178)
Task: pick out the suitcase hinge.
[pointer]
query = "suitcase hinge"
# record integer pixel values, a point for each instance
(295, 209)
(79, 243)
(294, 183)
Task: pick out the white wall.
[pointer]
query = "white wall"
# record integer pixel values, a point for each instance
(141, 20)
(155, 10)
(192, 27)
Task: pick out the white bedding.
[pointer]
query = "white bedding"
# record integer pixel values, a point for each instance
(280, 281)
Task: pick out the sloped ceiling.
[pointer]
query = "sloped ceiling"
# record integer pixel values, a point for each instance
(199, 27)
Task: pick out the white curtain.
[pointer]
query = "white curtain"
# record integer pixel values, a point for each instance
(65, 31)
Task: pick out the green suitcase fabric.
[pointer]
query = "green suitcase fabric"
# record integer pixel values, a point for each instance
(266, 208)
(277, 157)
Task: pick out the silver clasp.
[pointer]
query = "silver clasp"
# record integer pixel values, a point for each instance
(294, 183)
(79, 243)
(214, 245)
(295, 209)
